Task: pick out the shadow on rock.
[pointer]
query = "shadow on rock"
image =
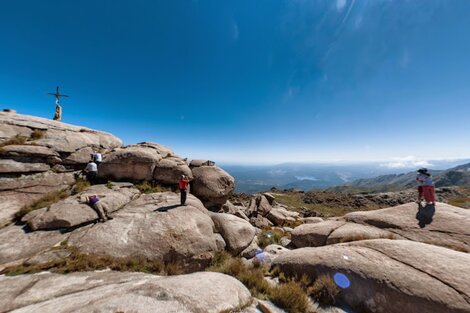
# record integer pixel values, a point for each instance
(425, 214)
(166, 208)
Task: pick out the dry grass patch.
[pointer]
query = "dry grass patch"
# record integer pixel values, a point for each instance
(80, 185)
(44, 202)
(270, 236)
(324, 290)
(37, 134)
(251, 277)
(17, 140)
(146, 187)
(80, 262)
(290, 296)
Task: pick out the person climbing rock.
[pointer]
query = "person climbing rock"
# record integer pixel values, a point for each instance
(184, 186)
(97, 157)
(91, 172)
(99, 207)
(425, 186)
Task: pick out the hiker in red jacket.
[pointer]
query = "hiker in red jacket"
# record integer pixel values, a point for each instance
(184, 185)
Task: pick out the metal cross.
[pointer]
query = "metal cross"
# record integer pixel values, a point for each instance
(58, 108)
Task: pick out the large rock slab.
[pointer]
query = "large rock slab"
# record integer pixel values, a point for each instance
(16, 192)
(212, 185)
(58, 136)
(169, 170)
(11, 166)
(443, 225)
(132, 163)
(74, 211)
(154, 227)
(314, 235)
(389, 276)
(17, 244)
(111, 292)
(356, 232)
(238, 233)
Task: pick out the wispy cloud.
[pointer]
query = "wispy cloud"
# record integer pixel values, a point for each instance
(406, 162)
(340, 4)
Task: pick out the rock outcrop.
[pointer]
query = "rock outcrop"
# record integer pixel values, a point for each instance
(74, 211)
(33, 152)
(238, 233)
(212, 185)
(153, 227)
(111, 292)
(389, 276)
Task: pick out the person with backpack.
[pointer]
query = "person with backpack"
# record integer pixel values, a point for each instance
(425, 186)
(97, 157)
(183, 186)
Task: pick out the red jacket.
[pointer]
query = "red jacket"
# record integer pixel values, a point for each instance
(183, 184)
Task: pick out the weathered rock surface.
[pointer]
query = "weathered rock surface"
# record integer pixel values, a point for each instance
(154, 227)
(16, 192)
(212, 185)
(11, 166)
(132, 163)
(17, 244)
(229, 208)
(280, 216)
(390, 276)
(238, 233)
(58, 136)
(197, 163)
(74, 211)
(111, 292)
(314, 235)
(443, 225)
(170, 169)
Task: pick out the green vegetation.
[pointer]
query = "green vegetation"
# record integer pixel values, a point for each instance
(80, 185)
(146, 187)
(45, 201)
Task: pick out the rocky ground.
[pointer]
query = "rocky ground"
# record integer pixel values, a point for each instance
(220, 252)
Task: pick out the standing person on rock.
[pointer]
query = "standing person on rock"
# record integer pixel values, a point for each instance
(97, 157)
(184, 188)
(99, 207)
(425, 186)
(91, 172)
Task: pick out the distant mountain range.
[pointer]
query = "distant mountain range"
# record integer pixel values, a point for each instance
(456, 176)
(308, 176)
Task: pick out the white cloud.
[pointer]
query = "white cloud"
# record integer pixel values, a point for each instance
(340, 4)
(406, 162)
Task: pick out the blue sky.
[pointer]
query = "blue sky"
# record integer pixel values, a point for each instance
(249, 81)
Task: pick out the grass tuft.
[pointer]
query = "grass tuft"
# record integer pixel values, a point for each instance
(37, 134)
(324, 290)
(17, 140)
(45, 201)
(269, 236)
(146, 187)
(290, 296)
(81, 184)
